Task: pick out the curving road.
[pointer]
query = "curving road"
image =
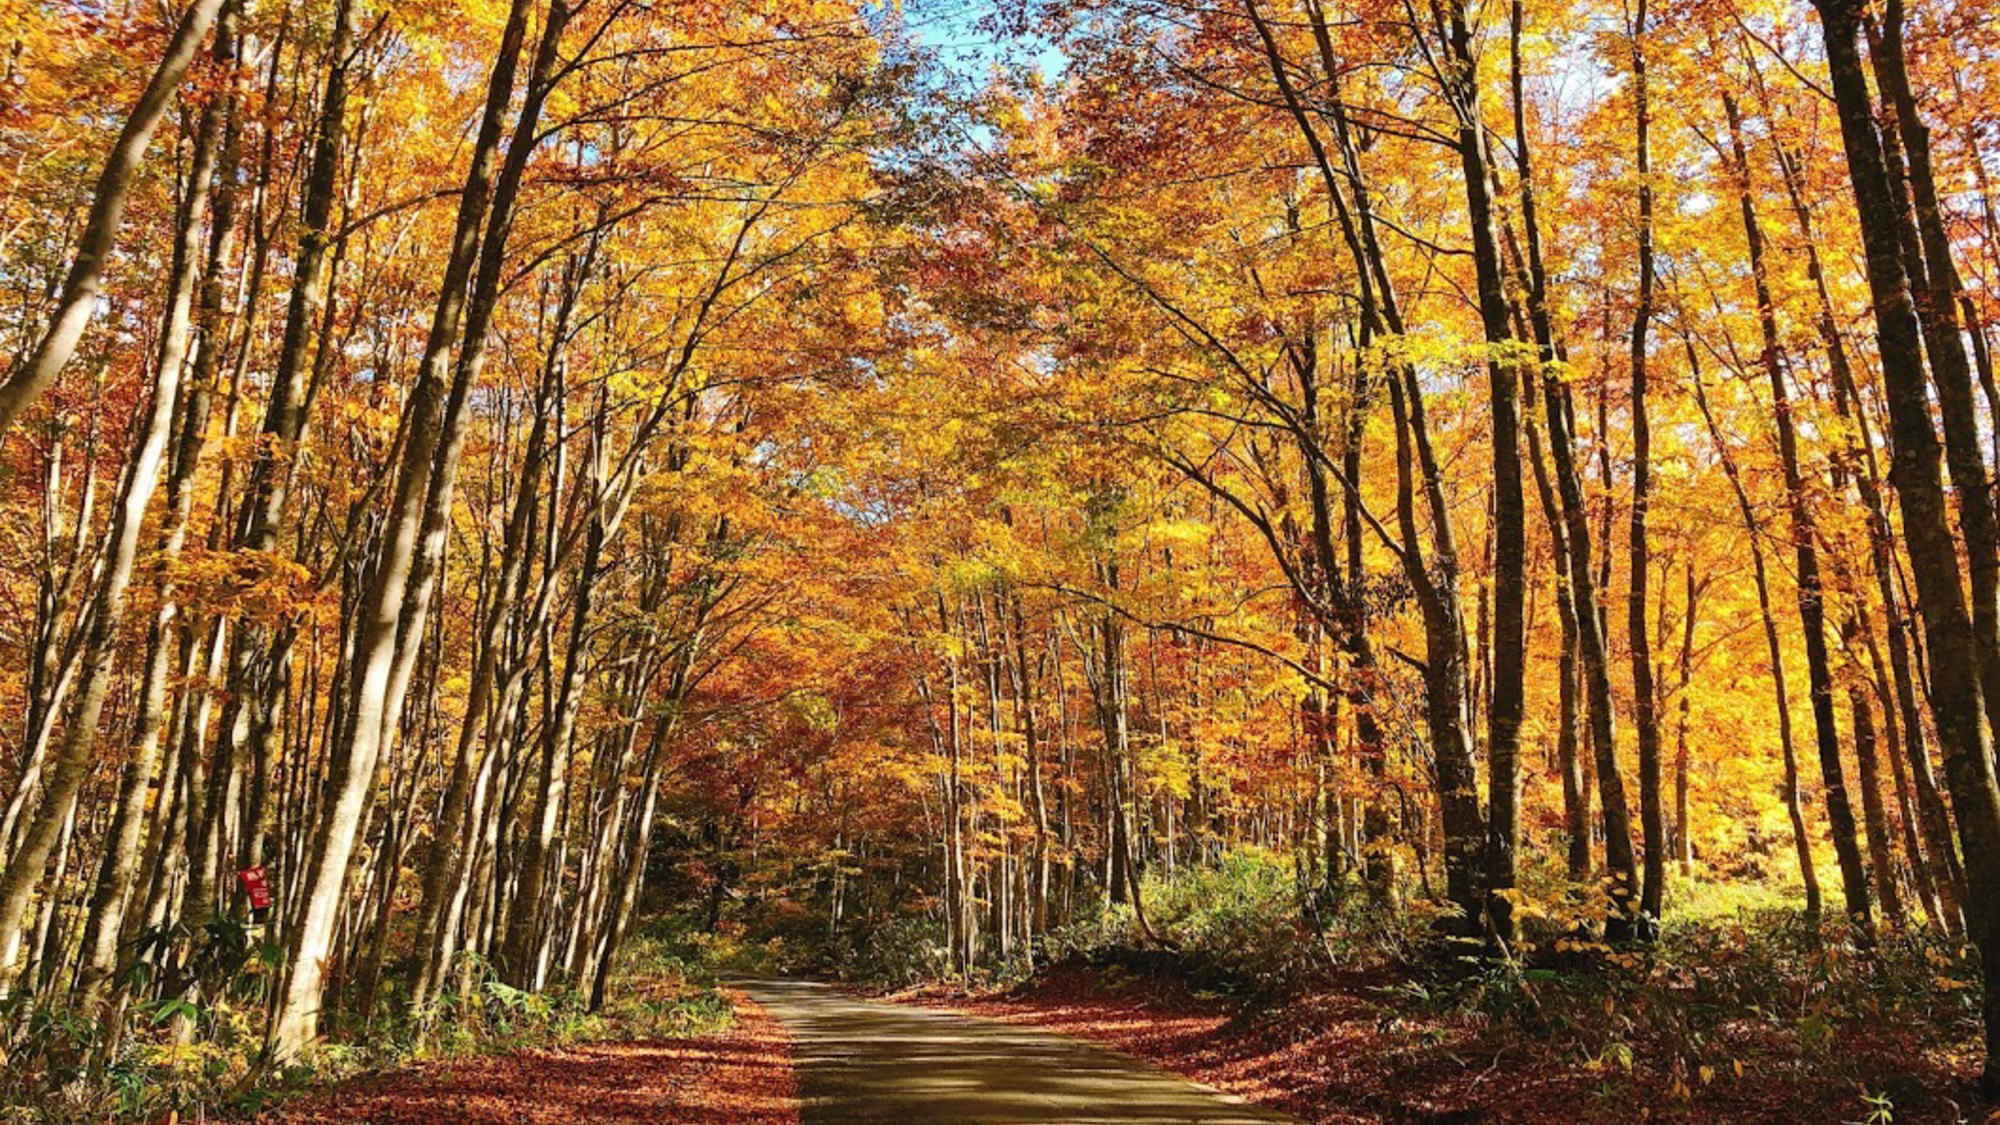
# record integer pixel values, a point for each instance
(867, 1061)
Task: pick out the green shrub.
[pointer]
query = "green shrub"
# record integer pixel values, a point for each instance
(1238, 923)
(908, 950)
(1243, 925)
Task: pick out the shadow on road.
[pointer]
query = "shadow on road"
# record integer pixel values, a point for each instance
(867, 1061)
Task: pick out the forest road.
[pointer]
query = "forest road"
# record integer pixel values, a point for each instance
(871, 1061)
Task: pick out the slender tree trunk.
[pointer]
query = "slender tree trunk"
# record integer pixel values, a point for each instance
(1378, 854)
(1881, 857)
(1444, 664)
(1509, 638)
(1683, 825)
(1584, 581)
(1645, 694)
(285, 414)
(1906, 807)
(1569, 535)
(77, 302)
(1781, 691)
(295, 1022)
(1811, 591)
(1957, 697)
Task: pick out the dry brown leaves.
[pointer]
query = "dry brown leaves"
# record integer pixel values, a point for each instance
(1341, 1056)
(742, 1076)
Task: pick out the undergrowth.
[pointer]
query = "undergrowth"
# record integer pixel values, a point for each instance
(191, 1058)
(1739, 984)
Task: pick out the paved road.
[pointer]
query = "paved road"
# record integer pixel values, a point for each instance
(867, 1061)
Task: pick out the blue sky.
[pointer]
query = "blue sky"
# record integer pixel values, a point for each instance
(952, 29)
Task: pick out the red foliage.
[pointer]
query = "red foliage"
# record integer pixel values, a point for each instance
(1339, 1056)
(742, 1076)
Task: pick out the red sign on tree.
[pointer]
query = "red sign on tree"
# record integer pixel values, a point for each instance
(254, 886)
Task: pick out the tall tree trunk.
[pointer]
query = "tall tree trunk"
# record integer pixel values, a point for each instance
(1378, 854)
(107, 613)
(1683, 825)
(1781, 691)
(77, 302)
(106, 921)
(1503, 372)
(1805, 532)
(294, 1024)
(1645, 694)
(1584, 582)
(1957, 697)
(1933, 280)
(1456, 779)
(1913, 847)
(1575, 605)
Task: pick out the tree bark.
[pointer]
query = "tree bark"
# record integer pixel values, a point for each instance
(294, 1024)
(107, 616)
(1957, 697)
(1645, 693)
(77, 302)
(1781, 691)
(106, 922)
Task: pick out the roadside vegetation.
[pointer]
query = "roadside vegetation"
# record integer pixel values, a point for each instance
(192, 1060)
(1741, 1011)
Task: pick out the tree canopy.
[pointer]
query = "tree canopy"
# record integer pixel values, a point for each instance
(495, 468)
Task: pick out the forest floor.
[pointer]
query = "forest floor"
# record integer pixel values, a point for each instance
(1343, 1054)
(1350, 1051)
(741, 1075)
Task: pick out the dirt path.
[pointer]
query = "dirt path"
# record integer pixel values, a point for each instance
(864, 1061)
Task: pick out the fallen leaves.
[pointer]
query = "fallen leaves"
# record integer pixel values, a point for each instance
(740, 1076)
(1339, 1056)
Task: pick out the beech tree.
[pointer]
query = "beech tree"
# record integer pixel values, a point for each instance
(476, 475)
